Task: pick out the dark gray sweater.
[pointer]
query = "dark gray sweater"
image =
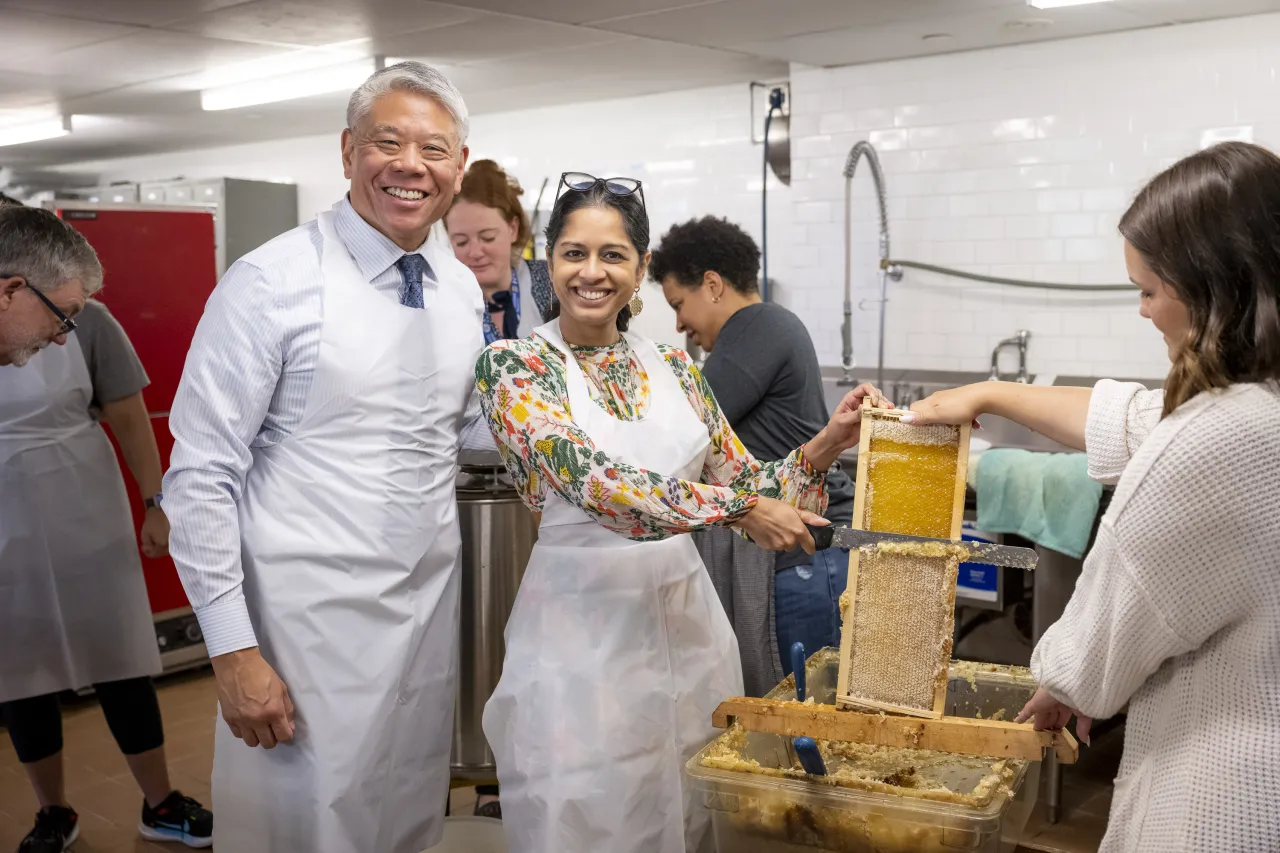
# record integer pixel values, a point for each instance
(764, 373)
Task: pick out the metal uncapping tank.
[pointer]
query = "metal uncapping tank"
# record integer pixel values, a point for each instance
(498, 533)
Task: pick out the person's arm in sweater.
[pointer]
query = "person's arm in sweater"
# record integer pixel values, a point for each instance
(1110, 639)
(1109, 421)
(1143, 597)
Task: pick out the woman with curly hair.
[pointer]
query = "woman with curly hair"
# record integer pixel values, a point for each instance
(764, 371)
(1177, 613)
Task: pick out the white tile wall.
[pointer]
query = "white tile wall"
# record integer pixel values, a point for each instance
(1015, 162)
(691, 149)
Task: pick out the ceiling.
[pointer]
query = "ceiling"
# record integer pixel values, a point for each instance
(130, 70)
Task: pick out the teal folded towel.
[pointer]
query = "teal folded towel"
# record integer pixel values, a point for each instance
(1045, 497)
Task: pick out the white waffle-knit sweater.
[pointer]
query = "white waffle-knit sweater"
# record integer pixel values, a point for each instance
(1177, 612)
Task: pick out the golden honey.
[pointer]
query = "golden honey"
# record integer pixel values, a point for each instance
(911, 488)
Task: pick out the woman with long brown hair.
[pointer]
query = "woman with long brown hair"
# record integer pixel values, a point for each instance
(1177, 612)
(489, 230)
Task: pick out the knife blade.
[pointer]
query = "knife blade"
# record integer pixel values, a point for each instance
(977, 552)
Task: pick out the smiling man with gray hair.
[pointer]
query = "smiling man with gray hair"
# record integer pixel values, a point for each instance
(47, 272)
(311, 494)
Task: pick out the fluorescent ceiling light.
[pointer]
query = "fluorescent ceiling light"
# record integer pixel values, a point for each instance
(29, 115)
(301, 84)
(1226, 134)
(50, 128)
(279, 64)
(1058, 4)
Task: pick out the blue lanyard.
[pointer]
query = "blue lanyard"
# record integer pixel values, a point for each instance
(491, 331)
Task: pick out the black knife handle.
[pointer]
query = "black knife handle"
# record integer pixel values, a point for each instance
(822, 536)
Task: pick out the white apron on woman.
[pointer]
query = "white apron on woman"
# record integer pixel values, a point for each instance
(350, 549)
(617, 653)
(73, 601)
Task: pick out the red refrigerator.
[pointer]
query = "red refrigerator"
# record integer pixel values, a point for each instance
(159, 268)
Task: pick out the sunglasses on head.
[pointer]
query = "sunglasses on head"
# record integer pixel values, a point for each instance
(581, 182)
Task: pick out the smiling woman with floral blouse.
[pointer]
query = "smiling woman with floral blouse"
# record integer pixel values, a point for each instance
(548, 454)
(618, 649)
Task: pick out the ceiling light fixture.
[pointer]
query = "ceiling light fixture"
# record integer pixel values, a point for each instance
(288, 87)
(1059, 4)
(36, 131)
(280, 64)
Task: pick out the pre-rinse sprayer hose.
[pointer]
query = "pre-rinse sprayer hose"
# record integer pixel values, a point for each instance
(890, 268)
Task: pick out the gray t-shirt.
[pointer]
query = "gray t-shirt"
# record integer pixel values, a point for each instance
(764, 373)
(114, 367)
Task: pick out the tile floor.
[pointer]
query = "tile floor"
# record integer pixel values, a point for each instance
(98, 782)
(101, 789)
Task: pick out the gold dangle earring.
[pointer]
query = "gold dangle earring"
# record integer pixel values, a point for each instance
(636, 304)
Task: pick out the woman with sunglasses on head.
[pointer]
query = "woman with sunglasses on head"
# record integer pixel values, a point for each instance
(1177, 612)
(489, 231)
(618, 649)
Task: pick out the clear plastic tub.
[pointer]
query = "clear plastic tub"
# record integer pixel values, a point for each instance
(753, 812)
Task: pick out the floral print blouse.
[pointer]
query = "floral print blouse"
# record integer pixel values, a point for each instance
(523, 392)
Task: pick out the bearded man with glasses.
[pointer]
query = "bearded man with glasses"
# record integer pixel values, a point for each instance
(47, 272)
(73, 601)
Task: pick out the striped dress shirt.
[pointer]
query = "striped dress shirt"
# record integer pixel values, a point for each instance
(245, 386)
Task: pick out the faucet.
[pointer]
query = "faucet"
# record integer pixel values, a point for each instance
(903, 394)
(1020, 341)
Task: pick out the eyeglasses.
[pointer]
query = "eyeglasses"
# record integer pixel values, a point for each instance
(67, 324)
(581, 182)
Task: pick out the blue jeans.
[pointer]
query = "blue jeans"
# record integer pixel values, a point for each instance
(806, 603)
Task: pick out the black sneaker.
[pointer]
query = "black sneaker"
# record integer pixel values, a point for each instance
(178, 818)
(56, 829)
(491, 809)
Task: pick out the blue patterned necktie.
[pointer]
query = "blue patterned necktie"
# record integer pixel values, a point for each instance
(411, 268)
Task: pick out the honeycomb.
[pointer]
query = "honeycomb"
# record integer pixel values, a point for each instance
(899, 618)
(911, 479)
(902, 626)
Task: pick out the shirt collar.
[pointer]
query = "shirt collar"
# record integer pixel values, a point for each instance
(372, 251)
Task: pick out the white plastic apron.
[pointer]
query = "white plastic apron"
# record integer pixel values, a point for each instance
(617, 653)
(350, 552)
(73, 602)
(530, 319)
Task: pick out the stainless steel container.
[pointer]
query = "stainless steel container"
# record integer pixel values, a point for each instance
(498, 533)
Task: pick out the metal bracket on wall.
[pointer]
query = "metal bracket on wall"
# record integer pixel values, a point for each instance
(760, 106)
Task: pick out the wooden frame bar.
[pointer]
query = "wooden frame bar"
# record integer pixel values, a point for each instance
(962, 735)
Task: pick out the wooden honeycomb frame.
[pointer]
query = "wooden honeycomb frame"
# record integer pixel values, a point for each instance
(947, 584)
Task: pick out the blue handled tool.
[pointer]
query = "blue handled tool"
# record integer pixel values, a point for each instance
(797, 667)
(806, 749)
(810, 758)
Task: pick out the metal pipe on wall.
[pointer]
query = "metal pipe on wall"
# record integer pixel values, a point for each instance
(861, 149)
(893, 269)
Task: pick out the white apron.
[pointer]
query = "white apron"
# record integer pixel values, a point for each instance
(617, 653)
(350, 552)
(73, 601)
